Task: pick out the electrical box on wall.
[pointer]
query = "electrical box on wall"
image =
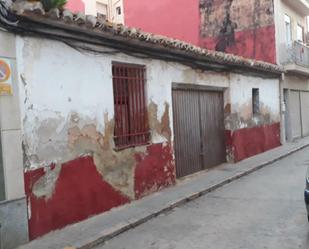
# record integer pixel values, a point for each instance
(5, 77)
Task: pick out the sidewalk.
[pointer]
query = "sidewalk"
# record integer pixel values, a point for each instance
(100, 228)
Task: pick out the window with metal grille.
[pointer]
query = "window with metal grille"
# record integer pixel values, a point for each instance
(131, 121)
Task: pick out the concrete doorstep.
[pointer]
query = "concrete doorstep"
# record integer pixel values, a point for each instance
(98, 229)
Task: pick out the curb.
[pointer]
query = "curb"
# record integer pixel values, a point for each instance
(132, 224)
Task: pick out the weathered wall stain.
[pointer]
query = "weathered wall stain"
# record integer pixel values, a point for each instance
(125, 174)
(248, 134)
(116, 167)
(159, 127)
(45, 186)
(226, 37)
(242, 27)
(154, 170)
(248, 142)
(79, 192)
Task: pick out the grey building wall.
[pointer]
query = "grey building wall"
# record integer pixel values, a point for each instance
(2, 186)
(13, 207)
(14, 223)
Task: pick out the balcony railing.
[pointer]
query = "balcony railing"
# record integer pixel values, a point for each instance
(296, 53)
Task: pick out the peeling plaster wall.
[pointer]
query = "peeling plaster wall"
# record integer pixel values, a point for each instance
(242, 27)
(71, 168)
(67, 121)
(176, 19)
(249, 134)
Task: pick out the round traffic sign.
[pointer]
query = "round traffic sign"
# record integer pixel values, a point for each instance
(5, 71)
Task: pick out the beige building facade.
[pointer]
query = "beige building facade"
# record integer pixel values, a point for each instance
(293, 54)
(111, 10)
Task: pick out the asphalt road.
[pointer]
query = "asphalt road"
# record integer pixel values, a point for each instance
(264, 210)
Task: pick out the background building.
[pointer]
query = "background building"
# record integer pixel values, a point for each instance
(293, 54)
(111, 10)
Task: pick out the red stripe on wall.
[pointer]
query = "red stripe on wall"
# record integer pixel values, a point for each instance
(155, 170)
(80, 192)
(259, 44)
(252, 141)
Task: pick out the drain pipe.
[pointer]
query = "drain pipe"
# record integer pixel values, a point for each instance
(282, 110)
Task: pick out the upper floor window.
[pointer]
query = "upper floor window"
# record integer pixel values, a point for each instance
(118, 10)
(300, 33)
(288, 29)
(102, 11)
(131, 120)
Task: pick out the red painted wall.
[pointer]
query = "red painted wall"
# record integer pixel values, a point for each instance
(177, 19)
(76, 6)
(256, 44)
(245, 143)
(81, 192)
(182, 20)
(154, 171)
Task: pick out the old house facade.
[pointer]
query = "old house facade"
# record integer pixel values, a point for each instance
(269, 30)
(101, 115)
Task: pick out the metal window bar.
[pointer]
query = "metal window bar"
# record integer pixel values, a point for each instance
(131, 122)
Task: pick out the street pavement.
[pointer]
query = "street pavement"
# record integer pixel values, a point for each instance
(264, 210)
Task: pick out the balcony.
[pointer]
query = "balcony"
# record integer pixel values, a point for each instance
(295, 58)
(300, 6)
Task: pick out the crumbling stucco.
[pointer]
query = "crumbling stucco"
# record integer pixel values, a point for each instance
(160, 127)
(45, 186)
(116, 167)
(244, 117)
(60, 140)
(228, 16)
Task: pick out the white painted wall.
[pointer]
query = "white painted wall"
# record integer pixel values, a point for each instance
(57, 81)
(241, 96)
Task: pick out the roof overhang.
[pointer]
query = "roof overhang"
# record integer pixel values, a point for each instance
(132, 42)
(300, 6)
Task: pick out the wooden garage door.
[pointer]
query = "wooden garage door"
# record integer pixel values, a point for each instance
(295, 114)
(199, 130)
(304, 96)
(212, 128)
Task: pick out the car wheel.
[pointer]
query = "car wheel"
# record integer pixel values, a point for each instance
(308, 217)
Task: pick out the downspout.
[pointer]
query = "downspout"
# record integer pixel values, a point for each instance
(282, 110)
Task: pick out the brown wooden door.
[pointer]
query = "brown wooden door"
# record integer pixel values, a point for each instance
(212, 129)
(199, 130)
(187, 132)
